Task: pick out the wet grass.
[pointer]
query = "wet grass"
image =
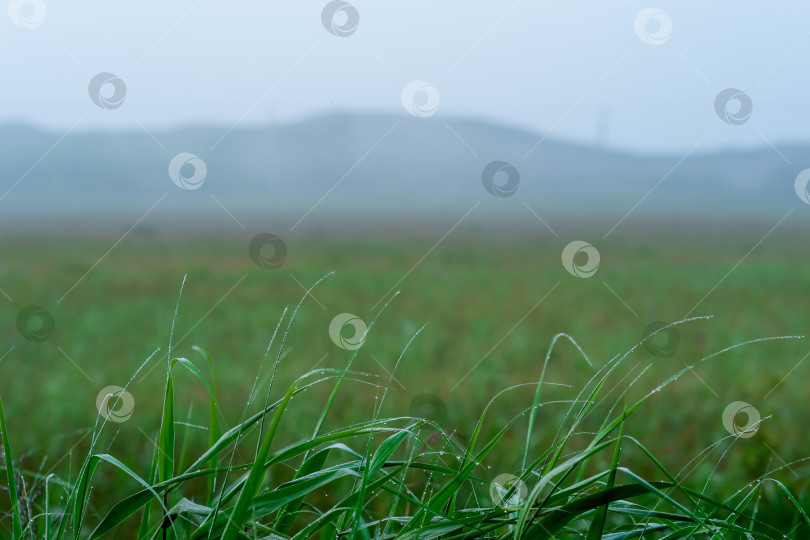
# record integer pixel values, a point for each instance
(485, 329)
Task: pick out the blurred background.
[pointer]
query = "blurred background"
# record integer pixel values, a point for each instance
(514, 170)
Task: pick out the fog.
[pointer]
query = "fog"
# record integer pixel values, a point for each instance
(615, 74)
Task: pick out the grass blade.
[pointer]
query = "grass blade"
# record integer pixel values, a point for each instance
(597, 528)
(256, 475)
(16, 522)
(214, 428)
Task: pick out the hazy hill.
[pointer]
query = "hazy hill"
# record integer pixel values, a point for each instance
(420, 170)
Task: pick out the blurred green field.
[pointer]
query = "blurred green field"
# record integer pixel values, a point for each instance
(486, 329)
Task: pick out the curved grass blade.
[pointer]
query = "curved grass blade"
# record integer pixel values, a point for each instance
(81, 500)
(560, 517)
(16, 522)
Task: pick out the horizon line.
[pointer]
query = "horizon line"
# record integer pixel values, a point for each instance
(266, 123)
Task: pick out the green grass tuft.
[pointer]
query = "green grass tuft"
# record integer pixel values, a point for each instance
(392, 477)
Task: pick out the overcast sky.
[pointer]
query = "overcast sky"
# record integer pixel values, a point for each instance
(581, 70)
